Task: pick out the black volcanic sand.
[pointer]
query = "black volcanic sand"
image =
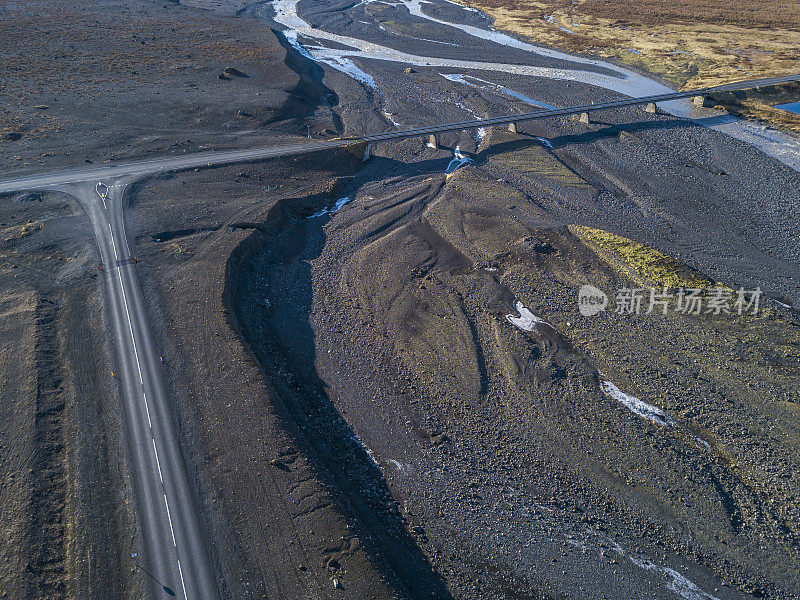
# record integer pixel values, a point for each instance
(66, 527)
(87, 82)
(394, 420)
(359, 417)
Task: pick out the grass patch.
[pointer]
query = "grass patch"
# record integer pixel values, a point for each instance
(639, 262)
(529, 159)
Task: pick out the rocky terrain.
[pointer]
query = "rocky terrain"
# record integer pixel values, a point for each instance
(392, 369)
(381, 380)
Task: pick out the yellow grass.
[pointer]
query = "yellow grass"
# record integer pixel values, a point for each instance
(639, 262)
(688, 42)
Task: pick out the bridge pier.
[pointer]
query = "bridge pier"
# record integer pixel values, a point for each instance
(512, 127)
(650, 107)
(432, 143)
(702, 101)
(361, 150)
(584, 118)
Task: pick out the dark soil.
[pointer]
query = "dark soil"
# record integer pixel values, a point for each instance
(65, 525)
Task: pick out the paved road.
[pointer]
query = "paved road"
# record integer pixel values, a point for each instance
(173, 543)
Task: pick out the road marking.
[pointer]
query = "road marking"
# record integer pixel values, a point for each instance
(169, 518)
(130, 326)
(147, 408)
(113, 243)
(180, 571)
(144, 397)
(158, 463)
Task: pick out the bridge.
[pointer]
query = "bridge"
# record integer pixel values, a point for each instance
(142, 167)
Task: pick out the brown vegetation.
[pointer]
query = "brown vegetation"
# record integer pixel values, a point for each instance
(689, 43)
(756, 14)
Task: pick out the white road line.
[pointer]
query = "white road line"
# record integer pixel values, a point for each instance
(147, 408)
(180, 571)
(130, 326)
(158, 463)
(144, 397)
(113, 243)
(169, 518)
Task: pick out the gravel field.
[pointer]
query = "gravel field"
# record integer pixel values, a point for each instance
(382, 383)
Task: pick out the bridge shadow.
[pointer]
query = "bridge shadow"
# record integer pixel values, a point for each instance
(610, 130)
(275, 260)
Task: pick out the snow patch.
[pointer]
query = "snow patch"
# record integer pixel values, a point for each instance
(678, 583)
(632, 403)
(526, 319)
(390, 117)
(645, 410)
(336, 207)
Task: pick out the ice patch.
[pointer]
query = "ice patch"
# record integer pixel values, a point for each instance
(480, 134)
(291, 36)
(632, 403)
(678, 583)
(497, 88)
(348, 67)
(336, 207)
(526, 319)
(459, 160)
